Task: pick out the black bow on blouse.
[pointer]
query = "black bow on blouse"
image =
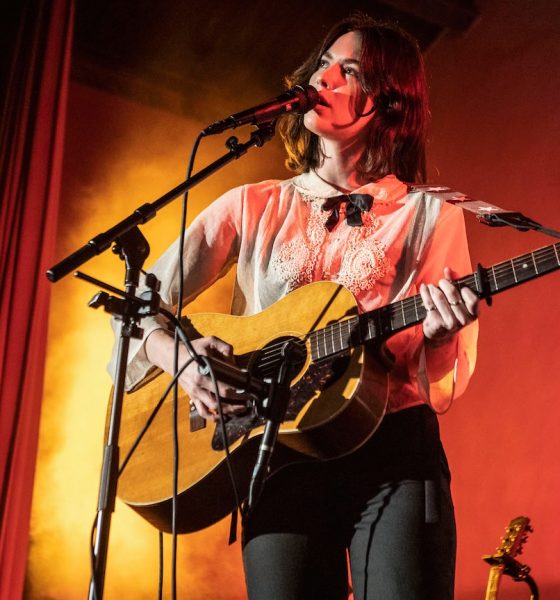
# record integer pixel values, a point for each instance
(356, 204)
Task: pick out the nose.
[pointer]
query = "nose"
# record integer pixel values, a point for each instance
(322, 82)
(327, 79)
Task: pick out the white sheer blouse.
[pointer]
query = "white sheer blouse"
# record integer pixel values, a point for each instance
(275, 232)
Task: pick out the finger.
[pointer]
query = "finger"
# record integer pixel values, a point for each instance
(240, 406)
(464, 302)
(471, 301)
(220, 347)
(206, 398)
(426, 298)
(455, 300)
(449, 274)
(210, 380)
(467, 296)
(448, 318)
(202, 409)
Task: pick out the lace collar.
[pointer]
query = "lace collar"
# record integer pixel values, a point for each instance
(312, 188)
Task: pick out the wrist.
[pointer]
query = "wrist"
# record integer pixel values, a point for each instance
(155, 347)
(441, 341)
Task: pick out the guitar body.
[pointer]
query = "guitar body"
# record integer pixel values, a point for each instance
(335, 405)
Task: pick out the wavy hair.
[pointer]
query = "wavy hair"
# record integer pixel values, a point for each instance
(392, 74)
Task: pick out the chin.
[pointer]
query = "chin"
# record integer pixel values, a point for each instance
(314, 124)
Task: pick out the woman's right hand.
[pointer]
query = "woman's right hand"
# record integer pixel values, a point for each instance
(159, 349)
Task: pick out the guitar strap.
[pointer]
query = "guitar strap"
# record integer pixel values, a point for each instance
(429, 200)
(446, 194)
(423, 222)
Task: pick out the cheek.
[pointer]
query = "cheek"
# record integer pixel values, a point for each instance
(363, 104)
(309, 121)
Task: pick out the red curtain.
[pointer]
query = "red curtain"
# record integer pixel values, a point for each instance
(31, 136)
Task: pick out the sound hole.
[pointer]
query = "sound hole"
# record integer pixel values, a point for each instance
(265, 363)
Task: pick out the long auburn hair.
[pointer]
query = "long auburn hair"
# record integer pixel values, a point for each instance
(392, 74)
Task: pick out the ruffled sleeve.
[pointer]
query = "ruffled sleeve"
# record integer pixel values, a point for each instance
(211, 247)
(444, 371)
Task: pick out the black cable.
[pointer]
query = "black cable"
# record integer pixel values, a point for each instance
(153, 414)
(225, 441)
(533, 587)
(92, 557)
(160, 578)
(175, 368)
(121, 469)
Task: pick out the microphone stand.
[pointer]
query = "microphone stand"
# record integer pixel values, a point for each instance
(148, 211)
(274, 410)
(133, 248)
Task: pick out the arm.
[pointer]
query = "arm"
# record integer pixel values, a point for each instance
(448, 354)
(211, 247)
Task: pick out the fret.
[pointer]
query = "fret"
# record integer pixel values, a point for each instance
(370, 329)
(403, 315)
(547, 259)
(471, 282)
(513, 270)
(534, 263)
(378, 322)
(528, 269)
(393, 317)
(477, 285)
(494, 277)
(331, 337)
(314, 346)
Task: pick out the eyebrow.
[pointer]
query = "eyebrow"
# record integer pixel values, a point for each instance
(346, 61)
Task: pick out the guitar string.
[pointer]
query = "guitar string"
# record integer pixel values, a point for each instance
(406, 311)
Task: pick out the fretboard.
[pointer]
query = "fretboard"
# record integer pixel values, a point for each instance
(383, 322)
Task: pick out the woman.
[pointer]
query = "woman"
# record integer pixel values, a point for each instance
(387, 503)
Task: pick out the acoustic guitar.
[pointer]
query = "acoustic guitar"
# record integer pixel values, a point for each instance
(337, 400)
(503, 561)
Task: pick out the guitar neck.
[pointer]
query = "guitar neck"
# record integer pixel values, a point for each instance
(493, 582)
(383, 322)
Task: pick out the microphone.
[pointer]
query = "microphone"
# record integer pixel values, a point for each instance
(241, 379)
(300, 99)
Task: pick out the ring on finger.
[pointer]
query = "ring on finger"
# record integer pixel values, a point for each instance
(455, 303)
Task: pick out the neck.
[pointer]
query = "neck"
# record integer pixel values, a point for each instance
(338, 168)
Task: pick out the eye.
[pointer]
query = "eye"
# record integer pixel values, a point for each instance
(350, 71)
(323, 63)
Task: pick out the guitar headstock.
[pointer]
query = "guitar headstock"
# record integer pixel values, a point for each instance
(512, 542)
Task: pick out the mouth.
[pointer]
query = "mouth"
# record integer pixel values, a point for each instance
(322, 101)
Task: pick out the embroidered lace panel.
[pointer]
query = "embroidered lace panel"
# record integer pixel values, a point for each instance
(362, 258)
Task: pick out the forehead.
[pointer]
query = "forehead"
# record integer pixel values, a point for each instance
(348, 45)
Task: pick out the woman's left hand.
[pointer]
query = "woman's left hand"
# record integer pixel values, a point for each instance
(448, 308)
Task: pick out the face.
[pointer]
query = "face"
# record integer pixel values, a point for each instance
(337, 78)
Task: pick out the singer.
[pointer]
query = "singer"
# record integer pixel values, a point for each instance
(347, 215)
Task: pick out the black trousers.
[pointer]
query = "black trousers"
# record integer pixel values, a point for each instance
(387, 508)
